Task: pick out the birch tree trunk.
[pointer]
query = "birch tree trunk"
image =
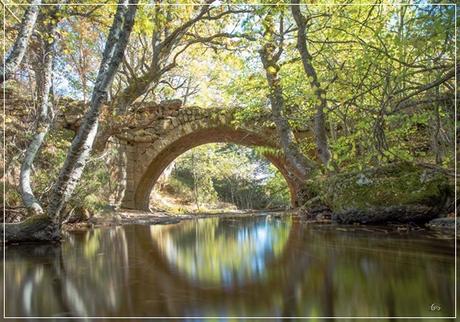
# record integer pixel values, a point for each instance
(321, 104)
(44, 76)
(20, 45)
(270, 55)
(80, 149)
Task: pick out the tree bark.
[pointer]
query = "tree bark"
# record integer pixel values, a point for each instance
(80, 149)
(34, 229)
(164, 43)
(270, 56)
(320, 123)
(44, 76)
(20, 45)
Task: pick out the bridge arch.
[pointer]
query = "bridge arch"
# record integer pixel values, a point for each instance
(147, 160)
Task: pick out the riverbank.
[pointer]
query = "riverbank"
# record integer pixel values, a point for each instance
(442, 226)
(129, 216)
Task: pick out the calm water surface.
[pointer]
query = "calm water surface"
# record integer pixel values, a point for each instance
(255, 266)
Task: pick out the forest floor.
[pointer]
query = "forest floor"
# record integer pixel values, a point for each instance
(161, 200)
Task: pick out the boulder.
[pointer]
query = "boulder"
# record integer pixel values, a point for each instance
(398, 192)
(384, 215)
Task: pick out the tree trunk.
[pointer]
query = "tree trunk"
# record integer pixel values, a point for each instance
(321, 104)
(33, 229)
(20, 45)
(80, 149)
(44, 76)
(195, 183)
(436, 144)
(270, 62)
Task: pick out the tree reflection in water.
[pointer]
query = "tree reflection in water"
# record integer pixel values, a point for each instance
(65, 280)
(196, 250)
(232, 267)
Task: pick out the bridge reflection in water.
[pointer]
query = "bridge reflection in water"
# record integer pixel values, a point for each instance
(195, 251)
(258, 266)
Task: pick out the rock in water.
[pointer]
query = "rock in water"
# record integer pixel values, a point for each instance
(384, 215)
(396, 193)
(444, 224)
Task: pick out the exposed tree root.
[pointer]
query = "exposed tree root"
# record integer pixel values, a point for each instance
(34, 229)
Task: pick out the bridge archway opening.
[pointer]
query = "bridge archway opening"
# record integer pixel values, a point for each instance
(173, 149)
(220, 176)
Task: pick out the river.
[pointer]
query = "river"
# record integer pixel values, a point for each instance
(258, 266)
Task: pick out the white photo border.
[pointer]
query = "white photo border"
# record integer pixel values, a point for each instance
(11, 3)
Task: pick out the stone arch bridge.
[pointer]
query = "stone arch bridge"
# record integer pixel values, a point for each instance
(156, 134)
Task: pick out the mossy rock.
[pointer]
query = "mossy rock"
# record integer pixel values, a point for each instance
(384, 215)
(392, 185)
(386, 191)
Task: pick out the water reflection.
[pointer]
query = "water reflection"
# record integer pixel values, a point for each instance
(65, 280)
(197, 250)
(232, 267)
